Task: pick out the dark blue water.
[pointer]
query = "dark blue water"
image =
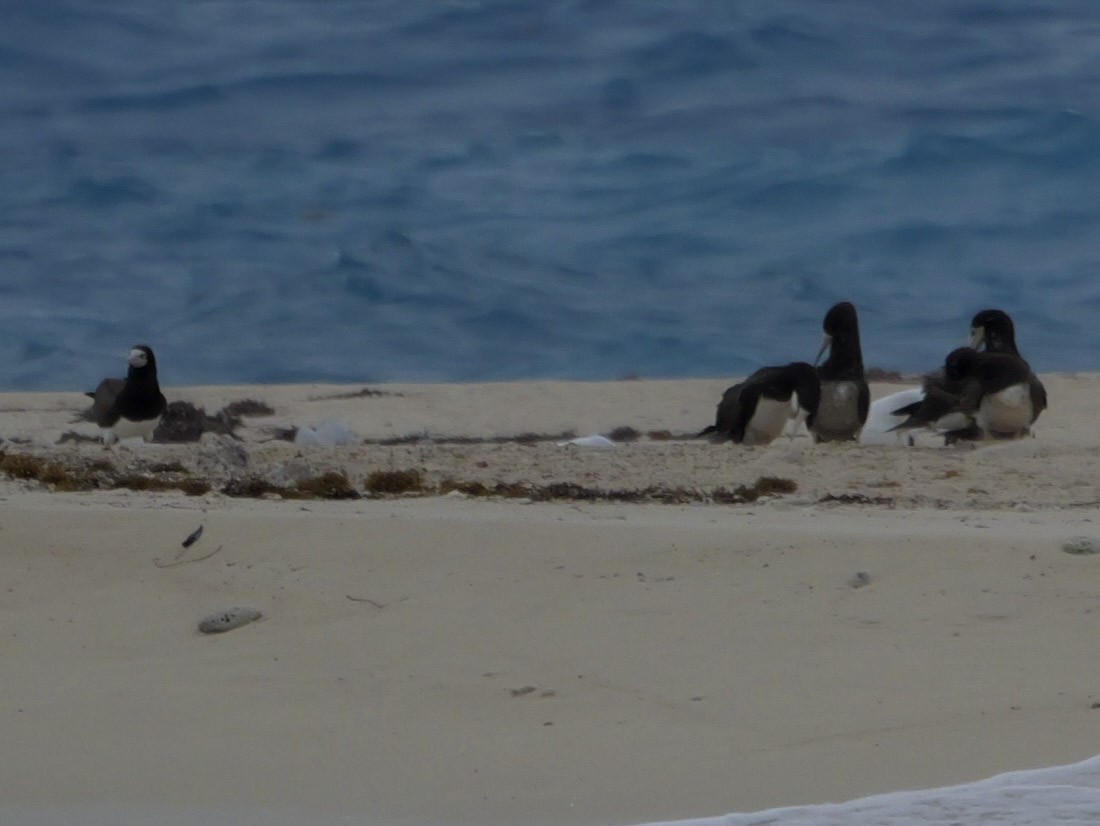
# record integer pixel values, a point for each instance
(369, 191)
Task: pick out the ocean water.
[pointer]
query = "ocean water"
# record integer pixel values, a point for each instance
(298, 190)
(1063, 795)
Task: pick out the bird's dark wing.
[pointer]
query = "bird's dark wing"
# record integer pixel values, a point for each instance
(1038, 396)
(936, 404)
(727, 413)
(103, 411)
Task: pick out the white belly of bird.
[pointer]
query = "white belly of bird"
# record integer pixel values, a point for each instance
(126, 429)
(767, 421)
(1007, 413)
(837, 412)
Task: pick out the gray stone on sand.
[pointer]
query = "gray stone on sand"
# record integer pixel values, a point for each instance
(289, 473)
(219, 451)
(228, 620)
(1080, 545)
(859, 579)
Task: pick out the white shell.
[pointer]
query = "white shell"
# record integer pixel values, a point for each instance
(589, 441)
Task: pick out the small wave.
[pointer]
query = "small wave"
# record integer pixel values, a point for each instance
(793, 36)
(930, 151)
(620, 94)
(327, 84)
(1058, 140)
(339, 149)
(648, 162)
(179, 98)
(691, 54)
(113, 191)
(992, 14)
(496, 21)
(797, 195)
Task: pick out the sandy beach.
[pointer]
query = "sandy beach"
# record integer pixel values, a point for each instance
(532, 633)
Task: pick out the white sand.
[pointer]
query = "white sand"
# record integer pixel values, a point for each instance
(472, 661)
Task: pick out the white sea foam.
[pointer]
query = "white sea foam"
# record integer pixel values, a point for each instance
(1066, 795)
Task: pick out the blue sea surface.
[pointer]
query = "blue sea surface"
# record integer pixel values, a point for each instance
(298, 190)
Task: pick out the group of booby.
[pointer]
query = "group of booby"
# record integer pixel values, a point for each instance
(986, 390)
(990, 392)
(130, 408)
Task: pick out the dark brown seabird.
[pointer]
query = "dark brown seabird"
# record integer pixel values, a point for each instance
(845, 396)
(949, 395)
(1000, 392)
(130, 408)
(755, 411)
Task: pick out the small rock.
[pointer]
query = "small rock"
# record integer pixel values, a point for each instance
(228, 620)
(1080, 545)
(218, 450)
(288, 473)
(859, 579)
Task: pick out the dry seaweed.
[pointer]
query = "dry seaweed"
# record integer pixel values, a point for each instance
(246, 407)
(770, 485)
(22, 466)
(856, 499)
(167, 467)
(99, 474)
(329, 485)
(395, 481)
(468, 488)
(194, 487)
(521, 438)
(624, 433)
(79, 438)
(282, 434)
(366, 392)
(573, 492)
(251, 487)
(183, 422)
(764, 486)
